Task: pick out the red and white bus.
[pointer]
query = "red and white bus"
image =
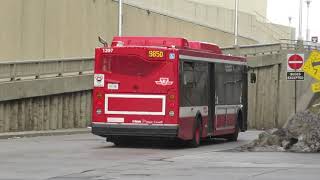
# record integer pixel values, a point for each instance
(167, 87)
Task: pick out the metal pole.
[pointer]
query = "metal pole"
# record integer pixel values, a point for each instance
(290, 20)
(300, 21)
(308, 30)
(120, 18)
(295, 96)
(236, 23)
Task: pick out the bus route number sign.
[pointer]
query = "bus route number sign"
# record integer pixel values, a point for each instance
(155, 54)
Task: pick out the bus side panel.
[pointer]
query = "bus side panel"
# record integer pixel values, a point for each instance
(186, 126)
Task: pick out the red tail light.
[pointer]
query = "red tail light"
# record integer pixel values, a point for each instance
(171, 105)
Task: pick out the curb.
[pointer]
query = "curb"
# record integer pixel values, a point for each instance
(11, 135)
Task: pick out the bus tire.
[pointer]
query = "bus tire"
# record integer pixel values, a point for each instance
(234, 136)
(117, 141)
(196, 140)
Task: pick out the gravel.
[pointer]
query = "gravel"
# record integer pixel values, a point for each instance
(300, 134)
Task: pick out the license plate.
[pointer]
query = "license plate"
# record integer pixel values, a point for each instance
(113, 86)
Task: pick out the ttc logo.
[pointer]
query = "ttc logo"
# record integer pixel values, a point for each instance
(164, 82)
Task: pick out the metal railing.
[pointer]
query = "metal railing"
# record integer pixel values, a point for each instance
(253, 50)
(35, 69)
(262, 49)
(296, 44)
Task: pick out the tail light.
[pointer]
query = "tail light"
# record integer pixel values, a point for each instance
(171, 97)
(99, 95)
(171, 113)
(171, 105)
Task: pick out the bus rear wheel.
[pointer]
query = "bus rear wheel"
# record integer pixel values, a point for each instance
(117, 141)
(196, 140)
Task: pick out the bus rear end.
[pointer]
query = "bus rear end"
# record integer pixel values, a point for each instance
(135, 92)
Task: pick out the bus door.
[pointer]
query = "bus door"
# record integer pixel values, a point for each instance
(211, 82)
(223, 93)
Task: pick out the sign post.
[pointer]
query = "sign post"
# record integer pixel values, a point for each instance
(295, 63)
(294, 72)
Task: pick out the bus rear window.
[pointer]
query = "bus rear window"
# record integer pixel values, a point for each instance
(127, 65)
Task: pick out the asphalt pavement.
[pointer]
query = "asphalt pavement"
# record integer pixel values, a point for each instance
(85, 156)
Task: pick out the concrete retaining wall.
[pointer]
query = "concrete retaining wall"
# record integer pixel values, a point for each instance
(272, 99)
(69, 110)
(220, 15)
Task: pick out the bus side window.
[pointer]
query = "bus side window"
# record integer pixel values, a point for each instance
(188, 74)
(219, 83)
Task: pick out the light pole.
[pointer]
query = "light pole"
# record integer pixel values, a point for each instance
(120, 18)
(290, 33)
(308, 30)
(300, 21)
(290, 20)
(236, 9)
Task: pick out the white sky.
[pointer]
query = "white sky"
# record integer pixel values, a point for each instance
(280, 10)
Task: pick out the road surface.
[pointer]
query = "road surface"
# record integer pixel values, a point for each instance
(84, 156)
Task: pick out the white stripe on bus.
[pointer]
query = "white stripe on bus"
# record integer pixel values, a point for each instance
(191, 111)
(195, 58)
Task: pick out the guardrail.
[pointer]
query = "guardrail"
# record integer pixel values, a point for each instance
(253, 50)
(297, 44)
(262, 49)
(35, 69)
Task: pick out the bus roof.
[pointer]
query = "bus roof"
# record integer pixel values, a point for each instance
(187, 48)
(166, 42)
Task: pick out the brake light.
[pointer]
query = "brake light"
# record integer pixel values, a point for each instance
(171, 105)
(171, 97)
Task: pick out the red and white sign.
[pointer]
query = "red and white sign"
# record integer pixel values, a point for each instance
(164, 82)
(295, 62)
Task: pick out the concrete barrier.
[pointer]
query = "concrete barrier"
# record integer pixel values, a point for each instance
(60, 111)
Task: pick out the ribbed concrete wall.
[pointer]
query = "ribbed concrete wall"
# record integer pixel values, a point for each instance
(272, 99)
(69, 110)
(220, 14)
(248, 6)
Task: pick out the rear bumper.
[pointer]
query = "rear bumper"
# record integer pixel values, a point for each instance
(105, 130)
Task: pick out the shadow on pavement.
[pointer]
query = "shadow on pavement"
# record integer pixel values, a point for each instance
(164, 144)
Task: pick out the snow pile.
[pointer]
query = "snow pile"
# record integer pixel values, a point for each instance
(300, 134)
